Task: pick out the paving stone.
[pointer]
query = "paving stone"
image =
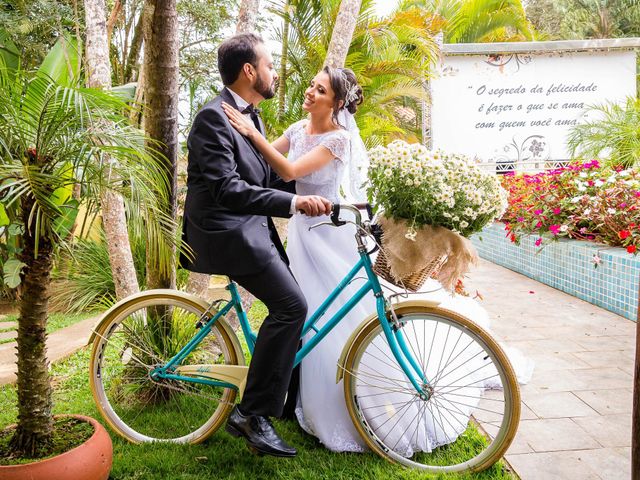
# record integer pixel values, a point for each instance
(554, 466)
(10, 324)
(559, 405)
(8, 335)
(518, 445)
(584, 358)
(581, 379)
(557, 361)
(609, 430)
(608, 402)
(556, 345)
(603, 344)
(607, 358)
(610, 463)
(554, 434)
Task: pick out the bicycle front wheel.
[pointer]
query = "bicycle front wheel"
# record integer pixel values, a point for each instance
(471, 409)
(141, 334)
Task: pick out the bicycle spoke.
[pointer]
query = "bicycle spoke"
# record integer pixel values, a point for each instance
(460, 366)
(135, 344)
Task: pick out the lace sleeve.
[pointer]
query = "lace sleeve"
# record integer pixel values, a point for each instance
(293, 129)
(337, 144)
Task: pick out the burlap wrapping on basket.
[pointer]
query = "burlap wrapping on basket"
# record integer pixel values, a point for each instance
(407, 256)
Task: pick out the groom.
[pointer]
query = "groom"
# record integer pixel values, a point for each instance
(227, 224)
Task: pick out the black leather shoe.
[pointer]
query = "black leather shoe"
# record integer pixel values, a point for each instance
(259, 434)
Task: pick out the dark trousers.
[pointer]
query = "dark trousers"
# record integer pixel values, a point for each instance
(278, 338)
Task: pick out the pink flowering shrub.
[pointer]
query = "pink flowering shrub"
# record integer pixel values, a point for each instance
(584, 201)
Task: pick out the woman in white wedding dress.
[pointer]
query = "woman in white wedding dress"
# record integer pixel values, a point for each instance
(319, 150)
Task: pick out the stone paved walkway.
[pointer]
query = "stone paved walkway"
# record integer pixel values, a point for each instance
(576, 419)
(60, 345)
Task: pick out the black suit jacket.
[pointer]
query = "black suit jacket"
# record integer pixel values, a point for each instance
(229, 203)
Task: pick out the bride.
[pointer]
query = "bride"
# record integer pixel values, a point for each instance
(321, 151)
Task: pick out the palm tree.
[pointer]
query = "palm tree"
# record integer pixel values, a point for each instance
(599, 18)
(342, 33)
(53, 135)
(611, 131)
(114, 218)
(161, 114)
(475, 21)
(389, 56)
(247, 16)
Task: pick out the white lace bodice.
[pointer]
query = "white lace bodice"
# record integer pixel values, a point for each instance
(326, 181)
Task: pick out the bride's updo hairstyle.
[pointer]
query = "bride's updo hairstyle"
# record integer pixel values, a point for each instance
(348, 94)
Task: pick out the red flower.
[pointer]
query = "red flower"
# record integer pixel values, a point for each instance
(538, 242)
(631, 249)
(557, 210)
(555, 229)
(624, 234)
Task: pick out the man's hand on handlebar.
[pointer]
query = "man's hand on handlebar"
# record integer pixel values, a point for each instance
(313, 205)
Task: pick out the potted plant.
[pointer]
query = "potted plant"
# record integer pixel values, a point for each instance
(54, 136)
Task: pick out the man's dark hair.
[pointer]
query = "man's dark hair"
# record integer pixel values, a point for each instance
(234, 52)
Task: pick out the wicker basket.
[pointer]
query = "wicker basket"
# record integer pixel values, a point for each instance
(413, 281)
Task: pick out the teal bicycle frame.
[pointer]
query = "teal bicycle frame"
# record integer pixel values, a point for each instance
(393, 333)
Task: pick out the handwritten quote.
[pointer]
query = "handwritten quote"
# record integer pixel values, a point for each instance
(495, 107)
(495, 102)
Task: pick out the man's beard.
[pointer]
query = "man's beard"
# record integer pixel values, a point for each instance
(263, 88)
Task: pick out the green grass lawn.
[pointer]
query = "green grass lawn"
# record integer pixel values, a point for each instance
(222, 456)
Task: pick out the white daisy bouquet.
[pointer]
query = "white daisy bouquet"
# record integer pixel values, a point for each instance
(434, 188)
(430, 201)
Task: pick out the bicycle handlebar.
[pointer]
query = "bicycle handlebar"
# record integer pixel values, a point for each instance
(353, 208)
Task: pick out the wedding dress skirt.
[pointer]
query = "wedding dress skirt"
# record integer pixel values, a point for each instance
(320, 259)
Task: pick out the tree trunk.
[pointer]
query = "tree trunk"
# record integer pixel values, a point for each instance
(247, 16)
(342, 33)
(35, 422)
(282, 90)
(113, 18)
(161, 109)
(113, 213)
(198, 284)
(134, 52)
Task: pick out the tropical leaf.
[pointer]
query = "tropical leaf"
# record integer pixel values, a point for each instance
(11, 272)
(390, 57)
(61, 63)
(55, 134)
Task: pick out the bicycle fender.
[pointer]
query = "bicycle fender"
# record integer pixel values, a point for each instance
(168, 293)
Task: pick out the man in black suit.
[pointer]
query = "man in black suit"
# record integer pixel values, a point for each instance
(227, 224)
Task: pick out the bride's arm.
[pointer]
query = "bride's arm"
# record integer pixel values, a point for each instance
(313, 160)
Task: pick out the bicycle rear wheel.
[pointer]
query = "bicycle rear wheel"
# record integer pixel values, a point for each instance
(473, 410)
(141, 334)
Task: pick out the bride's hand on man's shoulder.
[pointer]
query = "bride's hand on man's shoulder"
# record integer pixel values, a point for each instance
(243, 125)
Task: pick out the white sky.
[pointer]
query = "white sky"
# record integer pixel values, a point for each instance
(385, 6)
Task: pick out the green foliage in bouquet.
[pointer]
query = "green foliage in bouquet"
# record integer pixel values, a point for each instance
(433, 188)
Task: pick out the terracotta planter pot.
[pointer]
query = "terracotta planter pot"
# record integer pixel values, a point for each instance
(89, 461)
